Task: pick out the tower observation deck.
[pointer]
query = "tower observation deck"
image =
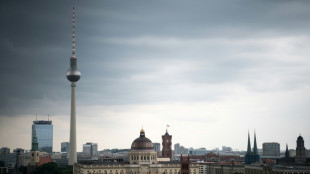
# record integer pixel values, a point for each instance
(73, 75)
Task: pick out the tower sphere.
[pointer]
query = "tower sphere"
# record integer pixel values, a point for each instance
(73, 74)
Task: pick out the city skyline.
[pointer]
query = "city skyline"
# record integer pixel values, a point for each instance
(211, 70)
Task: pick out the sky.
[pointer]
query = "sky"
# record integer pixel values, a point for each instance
(211, 70)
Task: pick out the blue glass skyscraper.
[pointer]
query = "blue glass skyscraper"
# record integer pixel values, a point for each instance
(44, 133)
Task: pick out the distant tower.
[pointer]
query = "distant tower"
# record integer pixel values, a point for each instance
(255, 145)
(167, 151)
(185, 165)
(34, 154)
(300, 151)
(249, 151)
(73, 75)
(287, 153)
(34, 157)
(251, 157)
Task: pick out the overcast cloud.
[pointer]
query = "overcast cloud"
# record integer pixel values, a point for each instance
(214, 69)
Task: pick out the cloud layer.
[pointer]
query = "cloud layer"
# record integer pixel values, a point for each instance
(202, 65)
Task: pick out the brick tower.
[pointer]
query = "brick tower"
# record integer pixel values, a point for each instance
(167, 151)
(185, 165)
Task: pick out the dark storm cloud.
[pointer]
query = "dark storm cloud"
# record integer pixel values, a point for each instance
(118, 41)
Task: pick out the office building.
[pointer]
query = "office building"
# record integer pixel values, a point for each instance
(5, 150)
(177, 149)
(65, 147)
(271, 149)
(90, 149)
(226, 149)
(44, 132)
(200, 151)
(156, 147)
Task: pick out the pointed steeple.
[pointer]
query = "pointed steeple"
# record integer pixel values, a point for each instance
(249, 144)
(166, 132)
(255, 144)
(287, 153)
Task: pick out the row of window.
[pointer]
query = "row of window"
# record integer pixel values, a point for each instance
(143, 158)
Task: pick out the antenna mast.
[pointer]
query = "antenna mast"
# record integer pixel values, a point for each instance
(73, 33)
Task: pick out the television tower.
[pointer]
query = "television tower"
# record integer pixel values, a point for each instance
(73, 75)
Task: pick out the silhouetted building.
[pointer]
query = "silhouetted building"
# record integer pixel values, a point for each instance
(300, 151)
(167, 151)
(251, 157)
(287, 159)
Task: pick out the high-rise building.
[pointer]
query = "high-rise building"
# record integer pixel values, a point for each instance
(156, 147)
(90, 149)
(5, 150)
(65, 147)
(44, 132)
(73, 75)
(226, 149)
(300, 151)
(167, 151)
(251, 156)
(200, 151)
(177, 149)
(271, 149)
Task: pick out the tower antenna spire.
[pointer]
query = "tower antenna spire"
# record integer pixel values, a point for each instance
(73, 75)
(73, 32)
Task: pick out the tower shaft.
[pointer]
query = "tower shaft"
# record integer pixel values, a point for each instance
(73, 156)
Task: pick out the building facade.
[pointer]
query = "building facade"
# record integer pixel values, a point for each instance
(157, 148)
(142, 160)
(44, 133)
(90, 149)
(167, 150)
(300, 151)
(65, 147)
(271, 149)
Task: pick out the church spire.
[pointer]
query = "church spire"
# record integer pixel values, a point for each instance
(255, 144)
(287, 153)
(249, 144)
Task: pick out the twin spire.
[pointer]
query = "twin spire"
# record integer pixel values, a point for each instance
(249, 151)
